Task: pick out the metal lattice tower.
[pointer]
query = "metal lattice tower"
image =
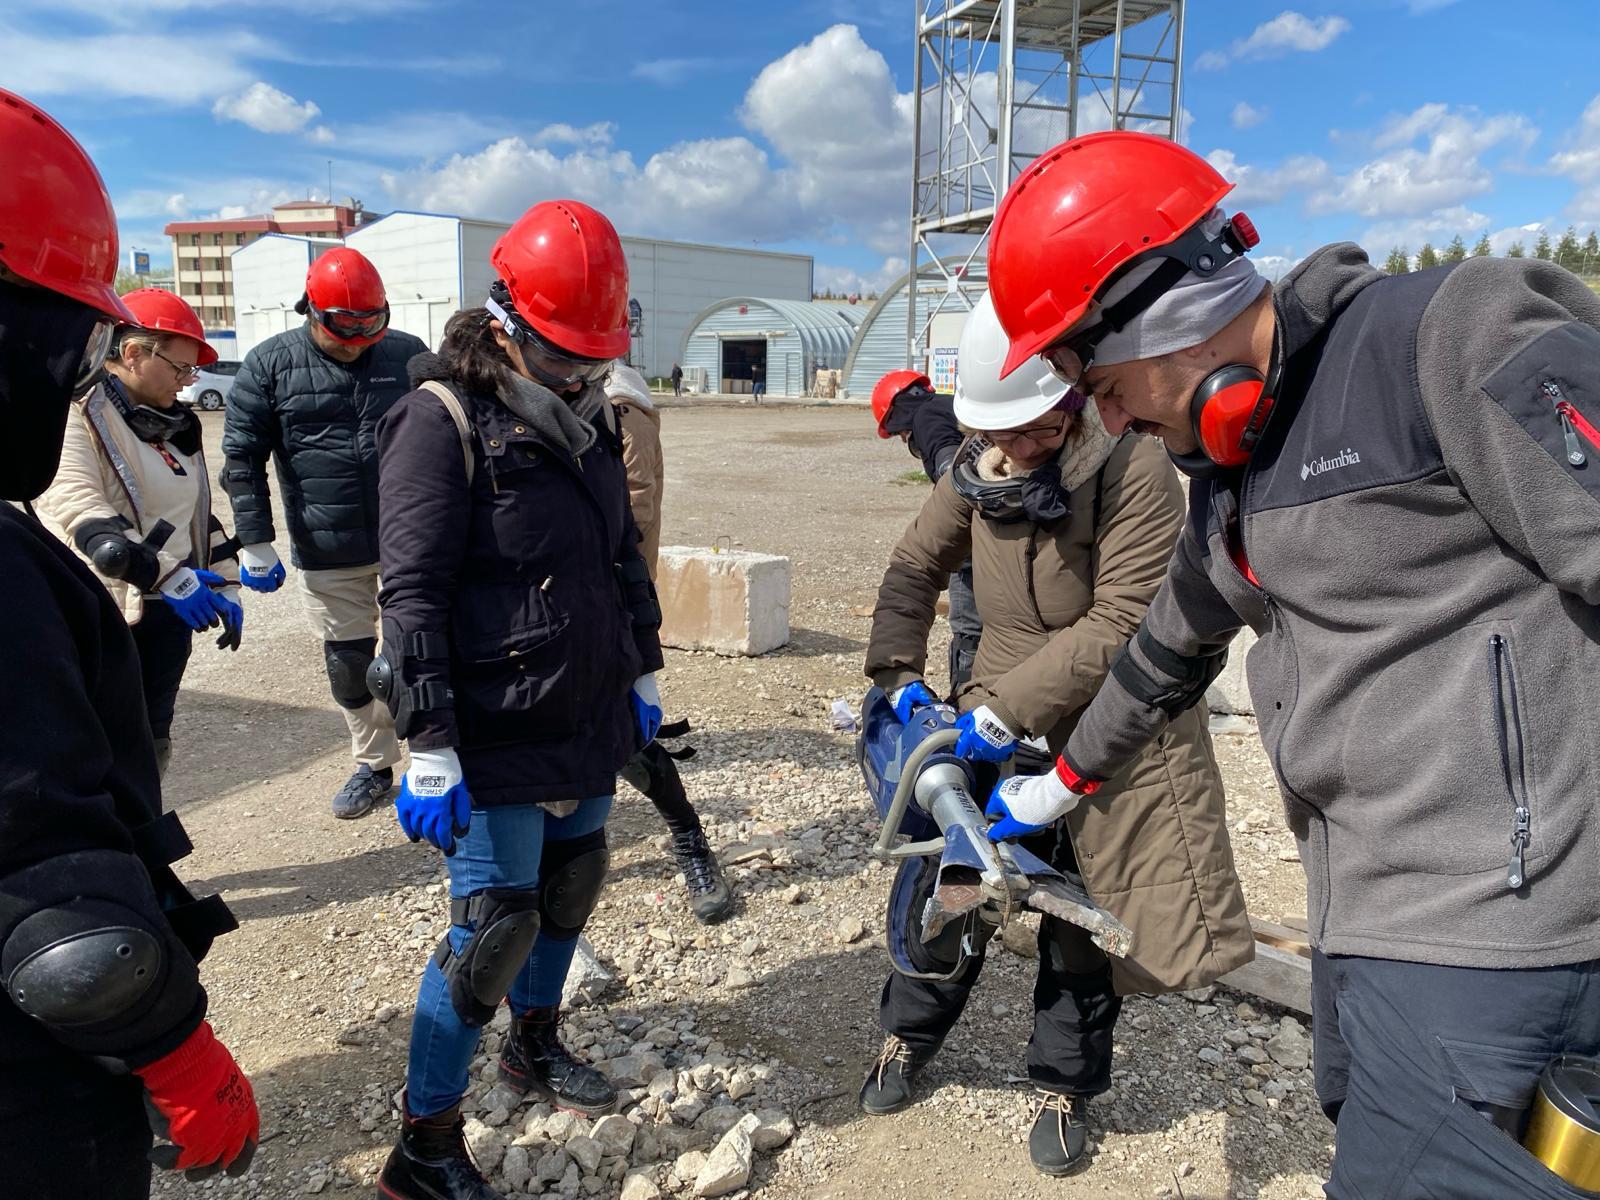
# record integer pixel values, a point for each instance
(997, 83)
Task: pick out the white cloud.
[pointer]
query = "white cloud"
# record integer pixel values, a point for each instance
(839, 132)
(1435, 227)
(1269, 185)
(668, 71)
(845, 281)
(119, 64)
(1247, 115)
(1285, 33)
(1411, 180)
(1274, 266)
(266, 109)
(1580, 162)
(321, 136)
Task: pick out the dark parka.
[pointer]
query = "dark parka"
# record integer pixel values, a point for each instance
(317, 417)
(1057, 605)
(516, 640)
(83, 842)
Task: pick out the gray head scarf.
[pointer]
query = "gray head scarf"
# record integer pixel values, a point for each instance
(1190, 312)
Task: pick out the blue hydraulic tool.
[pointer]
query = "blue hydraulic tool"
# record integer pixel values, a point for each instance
(955, 887)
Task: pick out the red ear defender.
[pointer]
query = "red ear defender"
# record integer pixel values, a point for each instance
(1229, 411)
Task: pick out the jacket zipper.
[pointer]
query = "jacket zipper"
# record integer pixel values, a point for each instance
(1507, 724)
(1572, 421)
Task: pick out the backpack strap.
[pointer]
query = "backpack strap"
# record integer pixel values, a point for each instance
(458, 414)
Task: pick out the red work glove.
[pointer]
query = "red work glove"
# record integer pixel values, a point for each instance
(199, 1100)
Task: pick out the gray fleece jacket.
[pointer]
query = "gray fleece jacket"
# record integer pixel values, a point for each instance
(1417, 543)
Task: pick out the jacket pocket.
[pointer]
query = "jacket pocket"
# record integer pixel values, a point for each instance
(1426, 749)
(1573, 424)
(1513, 755)
(515, 677)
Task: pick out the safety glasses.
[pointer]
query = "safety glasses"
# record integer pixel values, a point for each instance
(187, 372)
(547, 363)
(1036, 434)
(1069, 365)
(352, 325)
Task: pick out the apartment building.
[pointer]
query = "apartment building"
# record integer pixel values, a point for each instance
(201, 250)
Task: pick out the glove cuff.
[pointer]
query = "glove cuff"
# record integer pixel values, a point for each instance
(1075, 781)
(177, 1065)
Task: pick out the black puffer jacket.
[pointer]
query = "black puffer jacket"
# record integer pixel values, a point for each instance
(317, 418)
(516, 609)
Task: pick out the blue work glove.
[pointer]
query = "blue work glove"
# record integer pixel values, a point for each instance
(984, 736)
(190, 595)
(908, 699)
(259, 568)
(433, 801)
(1028, 803)
(227, 601)
(646, 701)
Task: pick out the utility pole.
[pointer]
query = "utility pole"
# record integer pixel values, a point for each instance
(330, 181)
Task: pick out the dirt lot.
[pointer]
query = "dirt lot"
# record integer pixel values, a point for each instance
(774, 1010)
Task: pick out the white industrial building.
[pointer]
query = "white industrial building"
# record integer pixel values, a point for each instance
(432, 265)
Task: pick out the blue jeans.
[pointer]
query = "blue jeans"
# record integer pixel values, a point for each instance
(501, 850)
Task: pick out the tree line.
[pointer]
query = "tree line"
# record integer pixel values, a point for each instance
(1579, 257)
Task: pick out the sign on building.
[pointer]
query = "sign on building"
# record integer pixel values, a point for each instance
(942, 368)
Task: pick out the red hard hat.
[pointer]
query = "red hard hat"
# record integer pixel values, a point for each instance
(345, 279)
(1077, 216)
(890, 386)
(563, 265)
(162, 312)
(57, 228)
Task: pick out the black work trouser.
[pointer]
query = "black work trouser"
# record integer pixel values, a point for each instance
(1428, 1072)
(1074, 1006)
(164, 642)
(92, 1144)
(653, 772)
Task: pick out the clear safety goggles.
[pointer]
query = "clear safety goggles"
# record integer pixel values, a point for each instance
(549, 364)
(1069, 365)
(95, 352)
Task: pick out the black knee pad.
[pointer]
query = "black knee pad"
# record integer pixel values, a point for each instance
(950, 951)
(505, 923)
(653, 772)
(347, 664)
(571, 874)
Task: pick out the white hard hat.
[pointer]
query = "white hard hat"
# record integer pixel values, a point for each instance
(625, 383)
(983, 399)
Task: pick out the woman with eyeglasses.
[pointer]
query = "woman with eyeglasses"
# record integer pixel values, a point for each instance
(519, 658)
(133, 498)
(1069, 531)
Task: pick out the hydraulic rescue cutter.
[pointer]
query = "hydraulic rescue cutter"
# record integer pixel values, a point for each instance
(955, 887)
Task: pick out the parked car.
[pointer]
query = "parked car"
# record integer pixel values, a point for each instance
(210, 391)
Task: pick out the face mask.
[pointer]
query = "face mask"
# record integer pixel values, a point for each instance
(1036, 496)
(151, 424)
(45, 340)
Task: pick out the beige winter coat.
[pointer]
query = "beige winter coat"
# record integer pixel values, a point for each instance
(1057, 605)
(641, 455)
(106, 471)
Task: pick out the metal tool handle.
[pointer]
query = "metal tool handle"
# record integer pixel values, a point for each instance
(929, 746)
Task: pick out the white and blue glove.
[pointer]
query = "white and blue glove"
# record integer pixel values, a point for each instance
(433, 801)
(227, 602)
(984, 736)
(908, 699)
(190, 595)
(1026, 804)
(646, 701)
(259, 568)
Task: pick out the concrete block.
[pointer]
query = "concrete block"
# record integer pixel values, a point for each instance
(1229, 693)
(728, 601)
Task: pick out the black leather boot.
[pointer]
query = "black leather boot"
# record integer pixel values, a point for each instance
(710, 898)
(887, 1088)
(431, 1162)
(534, 1060)
(1059, 1140)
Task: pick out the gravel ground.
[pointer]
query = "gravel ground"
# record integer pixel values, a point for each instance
(740, 1047)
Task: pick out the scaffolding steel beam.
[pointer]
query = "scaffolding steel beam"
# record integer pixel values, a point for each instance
(998, 82)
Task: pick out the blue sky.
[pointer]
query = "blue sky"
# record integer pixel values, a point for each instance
(788, 125)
